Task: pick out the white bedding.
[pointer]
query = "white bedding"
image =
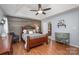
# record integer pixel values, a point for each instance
(24, 35)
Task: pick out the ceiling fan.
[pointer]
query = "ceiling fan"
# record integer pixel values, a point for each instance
(40, 10)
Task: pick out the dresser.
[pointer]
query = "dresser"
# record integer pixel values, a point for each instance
(6, 45)
(62, 37)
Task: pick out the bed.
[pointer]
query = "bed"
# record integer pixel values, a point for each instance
(33, 39)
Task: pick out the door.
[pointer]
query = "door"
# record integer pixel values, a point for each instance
(49, 29)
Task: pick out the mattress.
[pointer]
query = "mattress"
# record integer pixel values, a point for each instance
(35, 35)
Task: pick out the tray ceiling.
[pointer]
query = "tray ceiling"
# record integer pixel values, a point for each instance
(22, 10)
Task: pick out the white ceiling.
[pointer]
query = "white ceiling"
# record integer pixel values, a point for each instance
(22, 10)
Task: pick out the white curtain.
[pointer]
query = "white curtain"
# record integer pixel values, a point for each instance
(4, 28)
(6, 25)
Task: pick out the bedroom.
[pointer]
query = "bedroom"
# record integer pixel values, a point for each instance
(20, 19)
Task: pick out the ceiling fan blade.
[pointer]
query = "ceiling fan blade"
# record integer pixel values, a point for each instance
(46, 9)
(44, 13)
(36, 13)
(33, 10)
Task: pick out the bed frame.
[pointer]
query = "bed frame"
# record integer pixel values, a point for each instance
(32, 42)
(36, 41)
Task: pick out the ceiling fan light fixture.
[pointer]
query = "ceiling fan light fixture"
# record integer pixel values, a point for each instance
(40, 11)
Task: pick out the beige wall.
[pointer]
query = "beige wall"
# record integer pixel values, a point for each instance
(15, 23)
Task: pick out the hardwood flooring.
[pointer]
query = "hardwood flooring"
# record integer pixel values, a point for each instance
(52, 48)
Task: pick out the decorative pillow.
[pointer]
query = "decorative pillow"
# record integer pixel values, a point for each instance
(30, 32)
(34, 31)
(24, 31)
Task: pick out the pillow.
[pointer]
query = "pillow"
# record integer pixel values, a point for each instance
(30, 32)
(24, 31)
(34, 31)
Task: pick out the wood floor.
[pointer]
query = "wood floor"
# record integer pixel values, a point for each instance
(52, 48)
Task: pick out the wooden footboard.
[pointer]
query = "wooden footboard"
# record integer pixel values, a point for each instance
(36, 41)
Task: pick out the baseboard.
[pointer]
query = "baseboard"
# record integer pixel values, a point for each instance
(71, 45)
(74, 45)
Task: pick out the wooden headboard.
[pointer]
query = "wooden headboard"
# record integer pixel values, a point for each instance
(27, 27)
